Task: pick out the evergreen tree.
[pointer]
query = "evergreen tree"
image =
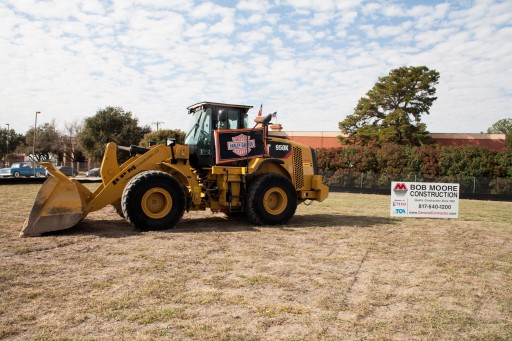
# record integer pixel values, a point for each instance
(391, 111)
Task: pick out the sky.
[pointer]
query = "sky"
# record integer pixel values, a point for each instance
(309, 60)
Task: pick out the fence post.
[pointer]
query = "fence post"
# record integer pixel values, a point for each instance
(474, 185)
(362, 175)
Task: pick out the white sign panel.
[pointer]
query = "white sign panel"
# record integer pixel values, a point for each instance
(424, 200)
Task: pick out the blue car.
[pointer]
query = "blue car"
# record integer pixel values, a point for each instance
(19, 169)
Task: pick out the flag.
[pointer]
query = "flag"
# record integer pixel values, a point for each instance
(261, 110)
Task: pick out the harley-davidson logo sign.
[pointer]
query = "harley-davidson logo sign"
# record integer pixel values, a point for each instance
(241, 145)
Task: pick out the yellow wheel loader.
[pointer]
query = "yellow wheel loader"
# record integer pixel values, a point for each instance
(224, 165)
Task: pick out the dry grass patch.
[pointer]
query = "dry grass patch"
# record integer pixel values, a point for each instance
(341, 269)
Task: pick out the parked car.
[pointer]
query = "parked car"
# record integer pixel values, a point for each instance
(93, 172)
(22, 169)
(68, 171)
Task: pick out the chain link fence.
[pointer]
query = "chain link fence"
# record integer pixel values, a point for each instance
(346, 180)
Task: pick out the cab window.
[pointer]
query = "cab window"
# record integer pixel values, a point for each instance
(233, 119)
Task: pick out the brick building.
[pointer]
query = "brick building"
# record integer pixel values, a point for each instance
(328, 139)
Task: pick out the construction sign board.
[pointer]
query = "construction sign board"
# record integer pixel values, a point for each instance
(424, 200)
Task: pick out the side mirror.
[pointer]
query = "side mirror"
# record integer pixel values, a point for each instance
(267, 119)
(171, 141)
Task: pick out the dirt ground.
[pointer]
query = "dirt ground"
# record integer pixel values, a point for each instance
(342, 269)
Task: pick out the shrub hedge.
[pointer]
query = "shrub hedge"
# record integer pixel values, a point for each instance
(475, 168)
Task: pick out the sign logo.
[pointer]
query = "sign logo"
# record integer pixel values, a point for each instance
(241, 145)
(400, 189)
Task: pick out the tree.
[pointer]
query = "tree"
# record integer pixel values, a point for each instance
(70, 149)
(160, 137)
(111, 124)
(9, 138)
(503, 126)
(391, 111)
(47, 142)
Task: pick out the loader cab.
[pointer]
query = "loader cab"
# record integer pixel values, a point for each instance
(205, 118)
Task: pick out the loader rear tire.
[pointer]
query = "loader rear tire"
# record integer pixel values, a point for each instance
(153, 200)
(271, 200)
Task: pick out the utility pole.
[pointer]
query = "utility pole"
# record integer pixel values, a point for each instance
(8, 130)
(157, 123)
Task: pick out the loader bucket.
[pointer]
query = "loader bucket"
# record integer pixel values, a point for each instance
(59, 205)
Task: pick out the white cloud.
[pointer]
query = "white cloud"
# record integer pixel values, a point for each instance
(301, 35)
(321, 18)
(320, 6)
(225, 26)
(255, 36)
(45, 9)
(393, 11)
(92, 6)
(210, 11)
(196, 30)
(428, 17)
(431, 37)
(255, 19)
(221, 19)
(259, 6)
(172, 5)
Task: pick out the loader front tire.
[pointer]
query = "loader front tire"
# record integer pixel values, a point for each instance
(271, 200)
(118, 208)
(153, 200)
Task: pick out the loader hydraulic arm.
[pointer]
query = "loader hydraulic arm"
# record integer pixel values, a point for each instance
(134, 150)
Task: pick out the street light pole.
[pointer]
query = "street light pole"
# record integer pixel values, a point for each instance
(7, 152)
(34, 145)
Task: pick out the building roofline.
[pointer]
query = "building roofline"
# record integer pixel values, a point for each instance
(465, 136)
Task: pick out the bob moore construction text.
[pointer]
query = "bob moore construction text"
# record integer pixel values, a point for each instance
(425, 200)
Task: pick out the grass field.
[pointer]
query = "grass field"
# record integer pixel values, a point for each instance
(342, 269)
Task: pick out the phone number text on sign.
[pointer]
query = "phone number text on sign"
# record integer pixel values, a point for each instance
(425, 200)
